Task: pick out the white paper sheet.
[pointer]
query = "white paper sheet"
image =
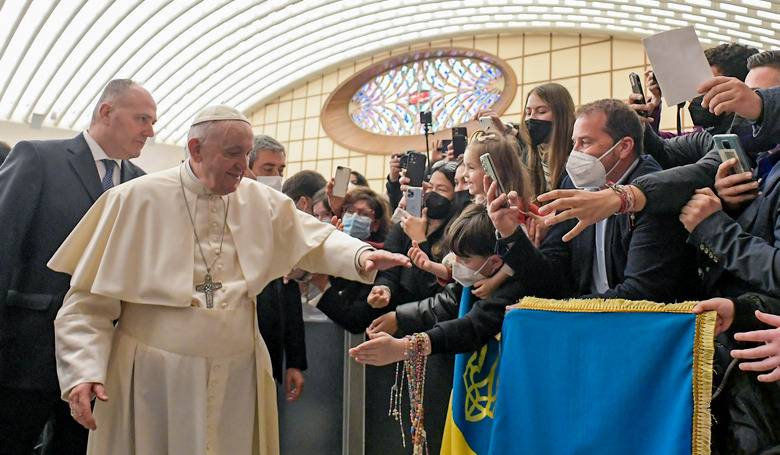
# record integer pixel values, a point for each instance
(678, 62)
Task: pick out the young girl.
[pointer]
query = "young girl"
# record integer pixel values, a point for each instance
(471, 237)
(505, 152)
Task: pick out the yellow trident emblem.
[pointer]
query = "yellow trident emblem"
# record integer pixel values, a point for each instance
(480, 393)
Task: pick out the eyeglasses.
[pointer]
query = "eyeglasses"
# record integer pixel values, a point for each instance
(362, 212)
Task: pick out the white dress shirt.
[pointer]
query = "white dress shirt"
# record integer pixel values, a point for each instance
(600, 283)
(99, 154)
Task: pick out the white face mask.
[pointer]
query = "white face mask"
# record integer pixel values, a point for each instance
(587, 171)
(465, 276)
(274, 181)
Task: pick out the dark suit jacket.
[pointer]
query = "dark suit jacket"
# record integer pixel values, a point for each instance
(45, 189)
(648, 261)
(743, 255)
(280, 320)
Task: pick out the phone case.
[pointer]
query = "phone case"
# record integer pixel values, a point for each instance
(341, 181)
(414, 201)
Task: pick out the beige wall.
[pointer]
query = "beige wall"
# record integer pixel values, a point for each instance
(154, 157)
(591, 67)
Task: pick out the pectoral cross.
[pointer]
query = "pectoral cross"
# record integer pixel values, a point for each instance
(208, 287)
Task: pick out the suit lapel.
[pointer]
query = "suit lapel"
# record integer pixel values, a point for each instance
(583, 258)
(83, 164)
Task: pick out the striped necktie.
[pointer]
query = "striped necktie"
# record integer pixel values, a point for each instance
(108, 179)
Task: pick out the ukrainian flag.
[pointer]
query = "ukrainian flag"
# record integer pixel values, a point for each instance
(602, 377)
(473, 400)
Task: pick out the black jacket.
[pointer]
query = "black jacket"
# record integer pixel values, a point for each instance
(647, 262)
(743, 254)
(412, 284)
(345, 304)
(46, 187)
(414, 317)
(746, 414)
(280, 321)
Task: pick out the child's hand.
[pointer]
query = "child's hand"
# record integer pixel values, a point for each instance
(418, 257)
(483, 288)
(381, 349)
(386, 323)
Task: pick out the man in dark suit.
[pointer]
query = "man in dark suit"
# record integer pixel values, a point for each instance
(631, 256)
(279, 312)
(45, 189)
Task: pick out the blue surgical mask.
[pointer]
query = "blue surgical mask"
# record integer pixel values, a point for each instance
(357, 226)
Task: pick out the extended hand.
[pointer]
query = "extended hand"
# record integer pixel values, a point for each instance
(735, 189)
(382, 260)
(415, 227)
(589, 207)
(418, 256)
(504, 216)
(79, 400)
(729, 94)
(703, 204)
(379, 297)
(769, 352)
(387, 323)
(381, 349)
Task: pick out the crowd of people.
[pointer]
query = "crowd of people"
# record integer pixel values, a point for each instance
(590, 202)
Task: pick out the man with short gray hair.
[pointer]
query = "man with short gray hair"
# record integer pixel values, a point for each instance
(185, 367)
(46, 187)
(267, 161)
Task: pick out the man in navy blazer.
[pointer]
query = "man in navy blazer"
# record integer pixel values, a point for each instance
(630, 256)
(45, 189)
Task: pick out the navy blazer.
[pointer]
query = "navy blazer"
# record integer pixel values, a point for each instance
(743, 255)
(645, 260)
(46, 187)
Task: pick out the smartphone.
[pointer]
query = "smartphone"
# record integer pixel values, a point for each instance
(414, 202)
(490, 170)
(459, 134)
(486, 123)
(341, 181)
(459, 145)
(444, 144)
(636, 87)
(415, 168)
(728, 147)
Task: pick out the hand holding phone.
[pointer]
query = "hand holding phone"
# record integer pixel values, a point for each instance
(636, 87)
(341, 181)
(490, 170)
(728, 147)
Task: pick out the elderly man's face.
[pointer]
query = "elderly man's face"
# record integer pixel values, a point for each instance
(127, 122)
(220, 159)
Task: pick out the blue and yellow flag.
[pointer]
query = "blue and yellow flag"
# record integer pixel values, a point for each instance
(473, 399)
(604, 377)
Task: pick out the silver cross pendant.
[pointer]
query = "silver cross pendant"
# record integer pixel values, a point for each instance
(208, 287)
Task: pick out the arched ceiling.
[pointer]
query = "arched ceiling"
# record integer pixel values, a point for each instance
(57, 56)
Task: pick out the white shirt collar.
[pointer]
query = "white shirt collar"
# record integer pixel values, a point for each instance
(97, 151)
(192, 182)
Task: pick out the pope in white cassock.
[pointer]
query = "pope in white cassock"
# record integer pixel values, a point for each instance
(177, 258)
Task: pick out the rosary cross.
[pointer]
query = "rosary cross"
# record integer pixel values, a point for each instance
(208, 287)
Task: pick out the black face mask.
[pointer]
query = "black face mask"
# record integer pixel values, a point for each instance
(438, 206)
(539, 130)
(461, 198)
(701, 116)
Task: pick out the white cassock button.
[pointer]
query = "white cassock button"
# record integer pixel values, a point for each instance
(214, 224)
(219, 266)
(224, 305)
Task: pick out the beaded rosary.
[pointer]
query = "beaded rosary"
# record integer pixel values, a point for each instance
(413, 372)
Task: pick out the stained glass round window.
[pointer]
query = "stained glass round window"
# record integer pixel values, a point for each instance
(452, 88)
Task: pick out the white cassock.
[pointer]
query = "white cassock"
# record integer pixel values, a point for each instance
(182, 378)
